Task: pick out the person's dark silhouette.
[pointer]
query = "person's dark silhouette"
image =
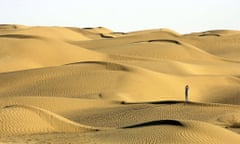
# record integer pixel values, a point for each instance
(186, 93)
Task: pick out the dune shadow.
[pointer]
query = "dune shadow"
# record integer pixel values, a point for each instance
(8, 26)
(156, 123)
(100, 27)
(8, 106)
(122, 33)
(155, 102)
(210, 34)
(162, 40)
(18, 36)
(108, 65)
(105, 36)
(166, 102)
(88, 28)
(166, 40)
(172, 102)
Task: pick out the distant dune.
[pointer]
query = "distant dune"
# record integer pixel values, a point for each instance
(94, 85)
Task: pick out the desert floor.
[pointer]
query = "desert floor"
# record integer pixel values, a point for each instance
(69, 85)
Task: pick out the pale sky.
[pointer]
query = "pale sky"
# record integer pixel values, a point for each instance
(183, 16)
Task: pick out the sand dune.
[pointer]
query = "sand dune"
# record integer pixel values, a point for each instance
(117, 82)
(221, 42)
(191, 131)
(24, 119)
(37, 47)
(130, 114)
(94, 85)
(165, 122)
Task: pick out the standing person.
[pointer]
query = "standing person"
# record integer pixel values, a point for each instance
(186, 93)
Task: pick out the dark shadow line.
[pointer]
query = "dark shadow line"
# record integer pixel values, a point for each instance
(156, 123)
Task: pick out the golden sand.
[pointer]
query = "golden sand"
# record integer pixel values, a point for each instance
(93, 85)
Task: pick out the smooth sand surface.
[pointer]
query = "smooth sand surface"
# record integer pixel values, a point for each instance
(92, 85)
